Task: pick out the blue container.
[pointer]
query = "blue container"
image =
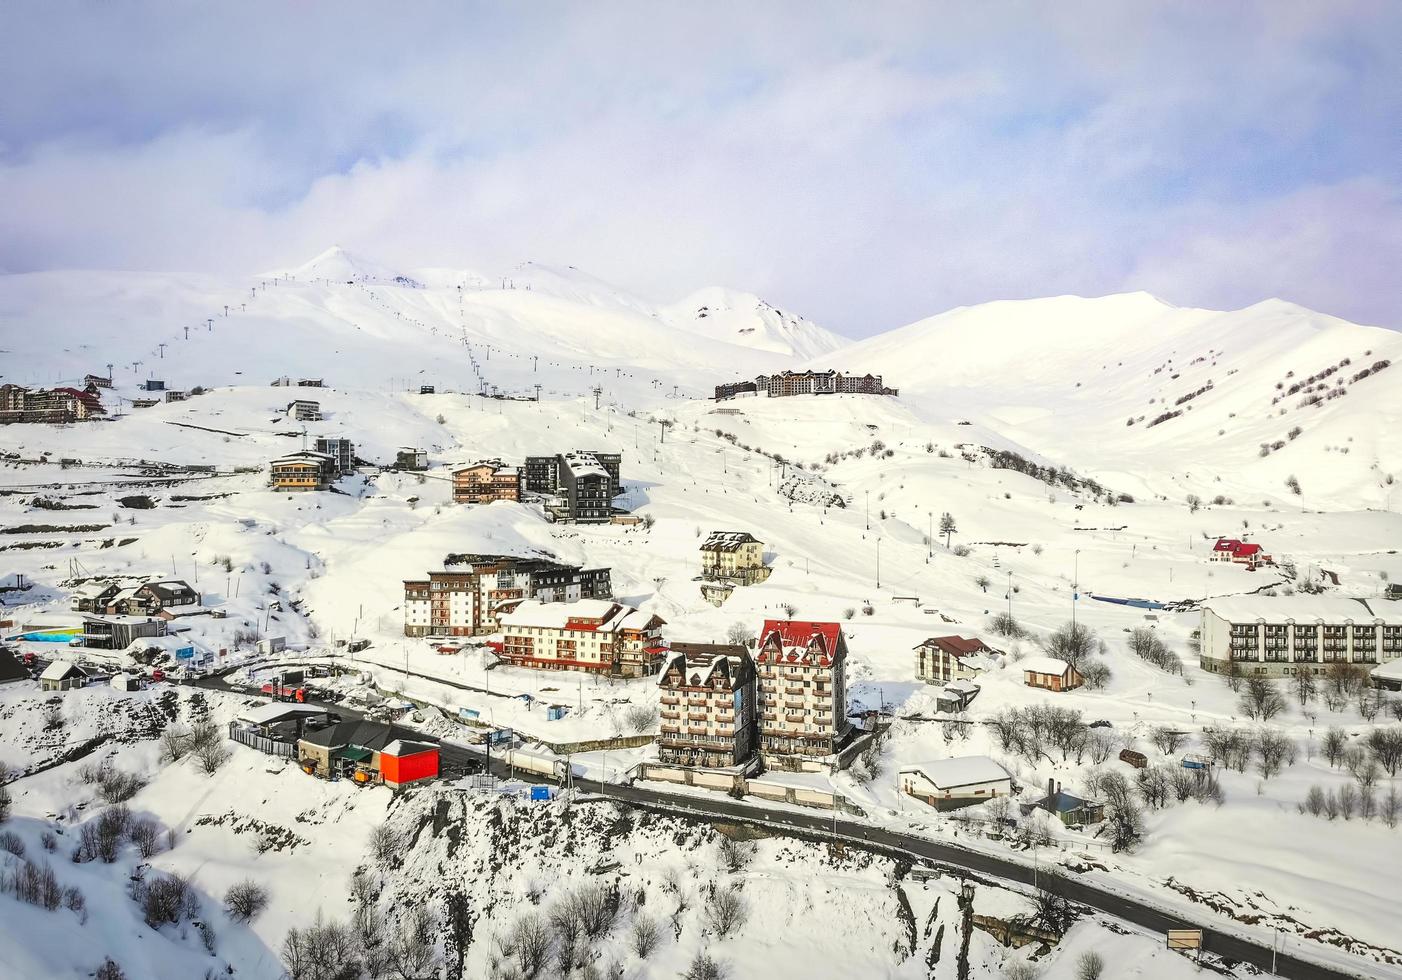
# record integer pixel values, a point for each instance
(541, 793)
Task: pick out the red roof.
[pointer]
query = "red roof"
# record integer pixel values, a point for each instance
(1240, 549)
(795, 635)
(1226, 544)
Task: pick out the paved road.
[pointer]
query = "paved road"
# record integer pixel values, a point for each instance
(823, 826)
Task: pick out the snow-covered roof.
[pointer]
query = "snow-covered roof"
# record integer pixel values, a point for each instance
(1043, 665)
(57, 670)
(610, 616)
(966, 771)
(962, 687)
(585, 464)
(1389, 671)
(267, 714)
(1300, 609)
(728, 540)
(401, 747)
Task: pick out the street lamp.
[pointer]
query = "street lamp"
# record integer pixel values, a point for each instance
(878, 563)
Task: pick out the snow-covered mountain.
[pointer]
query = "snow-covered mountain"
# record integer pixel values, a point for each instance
(1170, 399)
(745, 319)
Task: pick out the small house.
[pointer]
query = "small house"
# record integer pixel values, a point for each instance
(125, 682)
(367, 752)
(62, 675)
(950, 658)
(93, 596)
(948, 784)
(1070, 809)
(1050, 674)
(1136, 759)
(151, 384)
(734, 556)
(403, 762)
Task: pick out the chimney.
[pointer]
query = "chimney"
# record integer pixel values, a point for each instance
(1051, 791)
(1058, 787)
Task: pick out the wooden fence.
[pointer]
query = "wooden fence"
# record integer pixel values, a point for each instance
(268, 746)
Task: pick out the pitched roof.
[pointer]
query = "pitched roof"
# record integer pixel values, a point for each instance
(794, 637)
(958, 646)
(698, 662)
(953, 773)
(366, 734)
(1043, 665)
(401, 747)
(58, 670)
(1299, 609)
(728, 540)
(267, 714)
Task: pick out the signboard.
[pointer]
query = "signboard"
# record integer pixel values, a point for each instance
(539, 793)
(469, 714)
(499, 735)
(185, 653)
(1185, 939)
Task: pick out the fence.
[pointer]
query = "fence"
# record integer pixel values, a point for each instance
(268, 746)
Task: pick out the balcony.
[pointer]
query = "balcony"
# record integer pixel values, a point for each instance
(671, 715)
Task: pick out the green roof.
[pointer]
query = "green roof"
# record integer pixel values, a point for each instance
(353, 753)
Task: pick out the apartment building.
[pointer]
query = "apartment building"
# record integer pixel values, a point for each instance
(51, 405)
(542, 473)
(789, 383)
(941, 659)
(485, 481)
(1279, 636)
(708, 706)
(733, 556)
(801, 668)
(304, 410)
(305, 470)
(466, 598)
(595, 635)
(341, 451)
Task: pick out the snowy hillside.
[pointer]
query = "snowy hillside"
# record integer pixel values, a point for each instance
(1011, 422)
(745, 319)
(1166, 400)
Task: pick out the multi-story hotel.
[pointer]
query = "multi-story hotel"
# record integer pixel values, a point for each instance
(789, 383)
(736, 556)
(802, 688)
(594, 635)
(708, 713)
(481, 483)
(304, 470)
(941, 659)
(1283, 635)
(467, 597)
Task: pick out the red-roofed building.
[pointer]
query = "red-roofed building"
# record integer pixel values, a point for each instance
(941, 659)
(801, 668)
(1239, 553)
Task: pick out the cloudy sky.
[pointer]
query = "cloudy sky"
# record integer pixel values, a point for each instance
(865, 164)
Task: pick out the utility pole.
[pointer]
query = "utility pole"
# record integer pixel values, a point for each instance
(598, 390)
(1075, 587)
(187, 332)
(878, 563)
(868, 509)
(537, 392)
(163, 351)
(535, 363)
(210, 321)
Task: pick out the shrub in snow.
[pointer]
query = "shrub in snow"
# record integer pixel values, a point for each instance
(640, 717)
(1090, 966)
(211, 757)
(11, 842)
(725, 909)
(702, 967)
(735, 855)
(245, 899)
(645, 936)
(384, 843)
(109, 970)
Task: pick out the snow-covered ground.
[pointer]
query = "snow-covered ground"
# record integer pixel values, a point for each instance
(1052, 381)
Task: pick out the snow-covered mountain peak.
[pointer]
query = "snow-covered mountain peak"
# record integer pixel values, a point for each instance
(338, 264)
(739, 317)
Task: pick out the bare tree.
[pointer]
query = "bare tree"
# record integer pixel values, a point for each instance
(529, 943)
(1272, 748)
(1090, 966)
(1305, 687)
(414, 951)
(175, 744)
(645, 936)
(1386, 746)
(146, 835)
(734, 854)
(384, 843)
(1335, 742)
(640, 717)
(1167, 740)
(725, 907)
(702, 967)
(741, 634)
(211, 756)
(245, 899)
(1390, 807)
(1073, 643)
(1260, 698)
(789, 610)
